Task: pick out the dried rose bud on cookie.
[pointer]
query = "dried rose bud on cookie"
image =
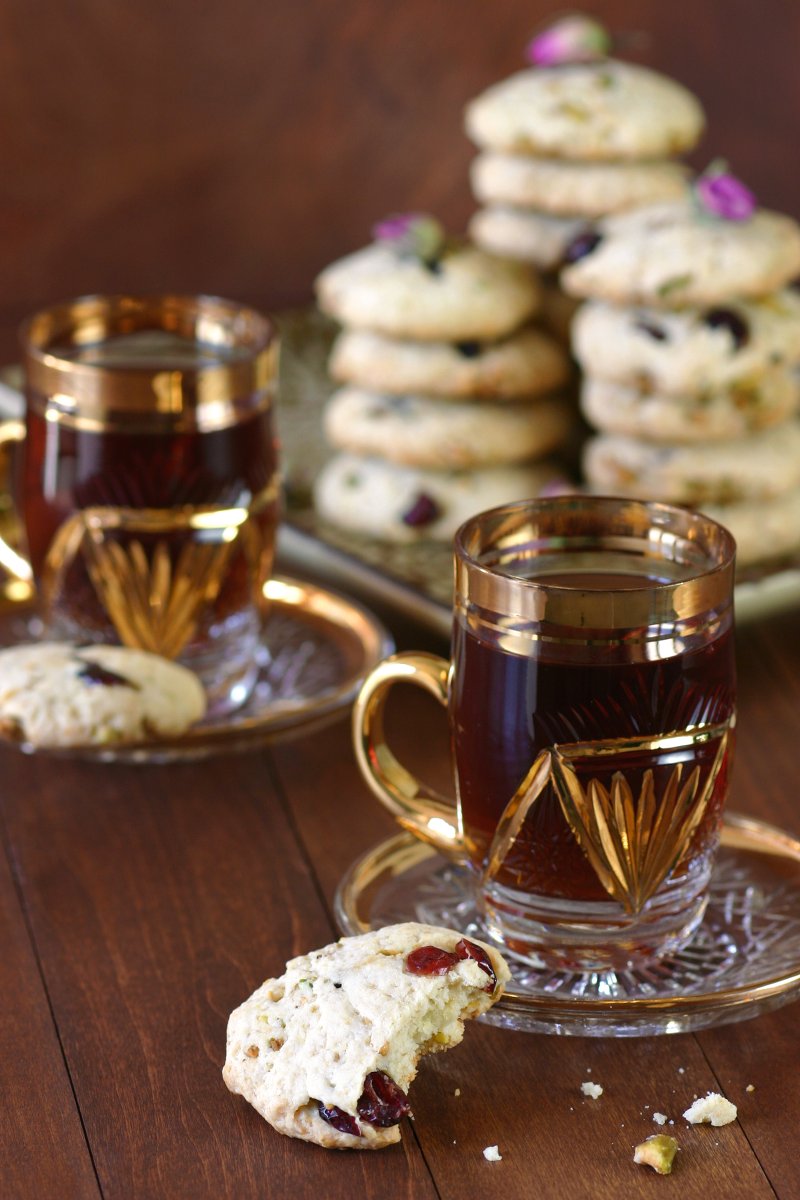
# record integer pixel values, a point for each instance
(327, 1052)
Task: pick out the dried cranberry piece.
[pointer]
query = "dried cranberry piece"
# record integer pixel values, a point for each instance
(651, 329)
(423, 511)
(92, 672)
(382, 1102)
(465, 949)
(430, 960)
(469, 349)
(339, 1119)
(582, 245)
(726, 318)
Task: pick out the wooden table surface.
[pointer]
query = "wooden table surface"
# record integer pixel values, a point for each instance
(140, 904)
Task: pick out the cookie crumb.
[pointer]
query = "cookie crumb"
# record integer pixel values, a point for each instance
(750, 1088)
(712, 1109)
(492, 1154)
(457, 1092)
(681, 1070)
(660, 1118)
(592, 1089)
(657, 1152)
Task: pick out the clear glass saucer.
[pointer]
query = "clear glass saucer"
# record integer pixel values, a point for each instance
(743, 960)
(317, 648)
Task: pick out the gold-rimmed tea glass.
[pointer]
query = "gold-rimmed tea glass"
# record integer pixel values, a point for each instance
(591, 697)
(148, 482)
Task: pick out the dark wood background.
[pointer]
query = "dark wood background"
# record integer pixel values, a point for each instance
(237, 147)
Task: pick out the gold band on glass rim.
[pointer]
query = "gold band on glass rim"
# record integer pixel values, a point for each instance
(493, 594)
(238, 375)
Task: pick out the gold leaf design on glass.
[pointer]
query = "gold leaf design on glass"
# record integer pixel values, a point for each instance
(152, 603)
(155, 571)
(634, 827)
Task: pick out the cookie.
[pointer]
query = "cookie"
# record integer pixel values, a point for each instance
(59, 694)
(526, 363)
(327, 1051)
(429, 431)
(764, 529)
(692, 351)
(759, 467)
(525, 234)
(722, 415)
(464, 294)
(404, 504)
(574, 189)
(604, 110)
(673, 255)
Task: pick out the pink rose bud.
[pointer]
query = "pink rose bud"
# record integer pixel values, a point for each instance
(396, 227)
(723, 195)
(571, 40)
(414, 234)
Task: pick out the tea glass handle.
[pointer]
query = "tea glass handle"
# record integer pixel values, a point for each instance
(11, 561)
(424, 812)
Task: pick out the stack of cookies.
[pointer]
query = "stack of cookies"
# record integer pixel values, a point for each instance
(690, 344)
(564, 143)
(449, 401)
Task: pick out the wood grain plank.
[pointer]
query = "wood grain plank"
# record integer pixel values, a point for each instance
(763, 1052)
(159, 897)
(522, 1092)
(41, 1137)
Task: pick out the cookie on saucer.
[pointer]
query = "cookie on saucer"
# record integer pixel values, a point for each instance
(690, 351)
(674, 255)
(720, 414)
(327, 1051)
(406, 504)
(565, 188)
(526, 363)
(456, 294)
(602, 110)
(60, 694)
(431, 431)
(761, 466)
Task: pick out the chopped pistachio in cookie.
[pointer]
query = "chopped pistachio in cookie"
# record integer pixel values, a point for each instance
(527, 362)
(431, 431)
(690, 351)
(327, 1051)
(408, 504)
(674, 255)
(61, 694)
(563, 188)
(606, 110)
(463, 293)
(723, 414)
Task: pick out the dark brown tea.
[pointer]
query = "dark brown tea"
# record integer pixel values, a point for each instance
(509, 706)
(66, 470)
